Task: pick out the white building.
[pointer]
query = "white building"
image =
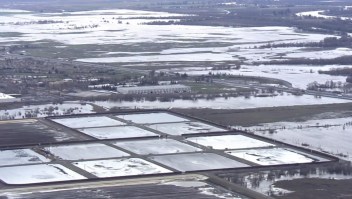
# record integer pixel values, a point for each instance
(160, 89)
(8, 99)
(101, 86)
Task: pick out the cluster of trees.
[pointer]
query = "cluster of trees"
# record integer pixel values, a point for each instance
(345, 60)
(284, 12)
(75, 27)
(36, 22)
(329, 42)
(154, 77)
(339, 12)
(271, 175)
(338, 72)
(36, 112)
(349, 79)
(12, 48)
(167, 97)
(331, 26)
(326, 85)
(169, 22)
(237, 67)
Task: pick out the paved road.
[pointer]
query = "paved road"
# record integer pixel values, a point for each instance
(141, 188)
(110, 183)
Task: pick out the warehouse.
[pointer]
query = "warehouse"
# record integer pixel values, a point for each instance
(160, 89)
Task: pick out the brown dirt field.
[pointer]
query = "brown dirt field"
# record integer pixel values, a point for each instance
(314, 188)
(250, 117)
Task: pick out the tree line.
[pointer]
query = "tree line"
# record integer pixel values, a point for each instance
(329, 42)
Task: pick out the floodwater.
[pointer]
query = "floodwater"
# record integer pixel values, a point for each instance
(224, 103)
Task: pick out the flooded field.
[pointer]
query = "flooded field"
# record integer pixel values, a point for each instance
(224, 103)
(298, 75)
(266, 181)
(331, 135)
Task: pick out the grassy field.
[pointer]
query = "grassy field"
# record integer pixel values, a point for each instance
(250, 117)
(316, 188)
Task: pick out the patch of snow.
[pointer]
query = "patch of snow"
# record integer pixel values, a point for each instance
(31, 174)
(87, 122)
(85, 151)
(276, 191)
(324, 54)
(4, 96)
(120, 167)
(185, 128)
(156, 146)
(151, 118)
(320, 14)
(187, 183)
(206, 189)
(274, 156)
(3, 10)
(197, 161)
(20, 156)
(229, 3)
(223, 142)
(117, 132)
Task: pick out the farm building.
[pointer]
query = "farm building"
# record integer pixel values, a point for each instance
(7, 98)
(176, 88)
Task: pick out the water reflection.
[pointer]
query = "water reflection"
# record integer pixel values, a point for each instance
(224, 102)
(262, 181)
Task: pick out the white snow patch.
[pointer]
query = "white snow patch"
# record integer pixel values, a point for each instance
(20, 156)
(37, 174)
(156, 146)
(276, 191)
(3, 96)
(275, 156)
(323, 54)
(151, 118)
(187, 183)
(229, 142)
(4, 10)
(87, 122)
(206, 189)
(85, 151)
(197, 161)
(117, 132)
(185, 128)
(120, 167)
(320, 14)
